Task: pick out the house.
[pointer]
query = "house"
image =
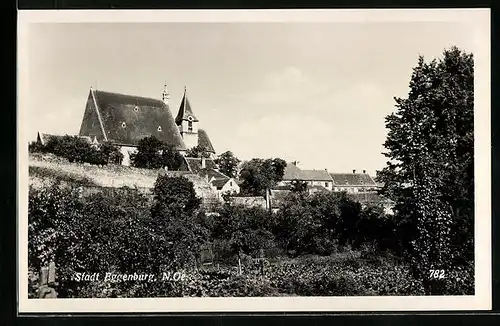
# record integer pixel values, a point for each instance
(353, 182)
(312, 177)
(225, 185)
(206, 168)
(125, 119)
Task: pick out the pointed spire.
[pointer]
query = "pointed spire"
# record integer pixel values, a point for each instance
(185, 111)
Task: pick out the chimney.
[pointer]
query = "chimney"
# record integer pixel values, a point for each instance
(364, 171)
(203, 163)
(353, 171)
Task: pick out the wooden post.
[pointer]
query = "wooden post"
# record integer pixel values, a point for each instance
(239, 265)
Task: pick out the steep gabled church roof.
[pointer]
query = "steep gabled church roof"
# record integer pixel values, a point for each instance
(185, 110)
(125, 119)
(204, 141)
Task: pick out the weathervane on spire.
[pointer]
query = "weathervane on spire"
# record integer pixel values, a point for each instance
(165, 95)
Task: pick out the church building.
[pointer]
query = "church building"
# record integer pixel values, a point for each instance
(125, 119)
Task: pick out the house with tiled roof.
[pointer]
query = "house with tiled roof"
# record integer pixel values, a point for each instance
(206, 168)
(125, 119)
(353, 182)
(312, 177)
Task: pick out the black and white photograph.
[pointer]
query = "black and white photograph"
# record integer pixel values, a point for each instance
(330, 161)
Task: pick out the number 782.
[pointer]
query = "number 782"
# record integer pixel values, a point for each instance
(437, 273)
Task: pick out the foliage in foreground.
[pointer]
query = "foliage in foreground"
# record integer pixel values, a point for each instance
(430, 172)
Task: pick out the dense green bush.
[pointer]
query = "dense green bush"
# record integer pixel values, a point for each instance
(79, 150)
(124, 231)
(153, 153)
(243, 229)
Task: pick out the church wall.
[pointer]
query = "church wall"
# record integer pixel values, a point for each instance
(190, 139)
(231, 186)
(184, 127)
(127, 151)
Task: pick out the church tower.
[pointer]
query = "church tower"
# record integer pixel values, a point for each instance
(187, 123)
(165, 95)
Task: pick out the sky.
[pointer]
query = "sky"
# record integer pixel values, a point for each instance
(316, 93)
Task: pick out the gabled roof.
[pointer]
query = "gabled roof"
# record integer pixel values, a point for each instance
(315, 175)
(219, 183)
(194, 164)
(204, 141)
(125, 119)
(292, 172)
(184, 110)
(211, 173)
(352, 179)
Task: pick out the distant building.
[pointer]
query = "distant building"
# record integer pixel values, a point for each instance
(125, 119)
(206, 168)
(311, 177)
(353, 182)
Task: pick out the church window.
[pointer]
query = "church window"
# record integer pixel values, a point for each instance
(159, 128)
(190, 126)
(123, 125)
(326, 184)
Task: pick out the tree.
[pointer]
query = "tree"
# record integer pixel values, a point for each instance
(244, 229)
(261, 174)
(298, 186)
(429, 175)
(228, 164)
(148, 153)
(171, 158)
(152, 153)
(111, 153)
(197, 151)
(178, 219)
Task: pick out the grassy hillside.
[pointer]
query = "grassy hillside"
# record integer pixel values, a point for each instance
(46, 168)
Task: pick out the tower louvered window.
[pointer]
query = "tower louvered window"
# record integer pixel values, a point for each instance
(190, 126)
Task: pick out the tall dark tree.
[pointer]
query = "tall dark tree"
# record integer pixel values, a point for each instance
(429, 175)
(177, 217)
(228, 164)
(152, 153)
(261, 174)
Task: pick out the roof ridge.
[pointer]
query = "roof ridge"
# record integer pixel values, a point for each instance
(128, 95)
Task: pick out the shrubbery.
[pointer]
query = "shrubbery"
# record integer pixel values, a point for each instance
(77, 149)
(153, 153)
